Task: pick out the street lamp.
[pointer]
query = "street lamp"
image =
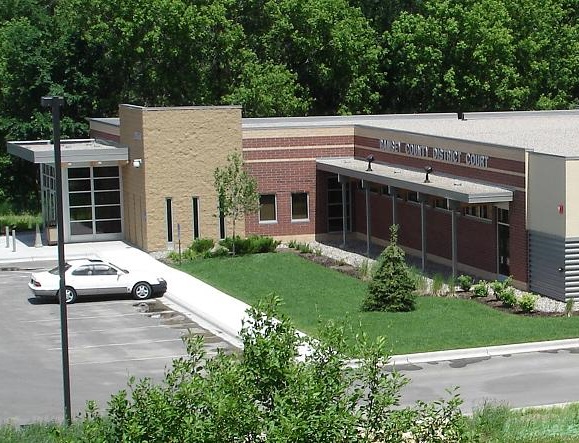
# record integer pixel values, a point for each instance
(54, 103)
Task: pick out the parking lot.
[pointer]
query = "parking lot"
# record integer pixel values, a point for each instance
(110, 339)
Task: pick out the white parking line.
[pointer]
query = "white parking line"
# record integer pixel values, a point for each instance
(118, 344)
(104, 362)
(90, 331)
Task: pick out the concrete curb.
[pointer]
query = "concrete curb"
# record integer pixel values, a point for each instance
(484, 352)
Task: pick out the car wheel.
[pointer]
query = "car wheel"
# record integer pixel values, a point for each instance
(70, 295)
(142, 291)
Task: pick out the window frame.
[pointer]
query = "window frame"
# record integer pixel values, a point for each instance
(274, 220)
(307, 217)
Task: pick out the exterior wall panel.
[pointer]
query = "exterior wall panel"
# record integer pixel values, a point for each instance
(546, 255)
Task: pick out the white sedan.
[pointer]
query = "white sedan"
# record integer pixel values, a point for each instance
(95, 277)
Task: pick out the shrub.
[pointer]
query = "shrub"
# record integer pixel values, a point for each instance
(391, 287)
(507, 296)
(527, 302)
(420, 281)
(500, 286)
(201, 245)
(266, 394)
(254, 244)
(569, 305)
(465, 282)
(292, 244)
(481, 289)
(451, 285)
(304, 248)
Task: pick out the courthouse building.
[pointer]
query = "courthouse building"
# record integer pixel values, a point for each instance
(490, 194)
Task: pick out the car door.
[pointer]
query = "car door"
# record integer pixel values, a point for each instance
(108, 280)
(82, 280)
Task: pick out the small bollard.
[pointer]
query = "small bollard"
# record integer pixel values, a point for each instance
(13, 240)
(7, 237)
(38, 238)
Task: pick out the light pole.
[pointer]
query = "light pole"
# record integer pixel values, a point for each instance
(55, 103)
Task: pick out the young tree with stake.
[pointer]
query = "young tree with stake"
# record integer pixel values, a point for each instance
(236, 190)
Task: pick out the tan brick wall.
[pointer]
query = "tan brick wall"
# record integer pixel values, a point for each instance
(199, 138)
(134, 197)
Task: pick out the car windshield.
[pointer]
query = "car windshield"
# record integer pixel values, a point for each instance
(55, 270)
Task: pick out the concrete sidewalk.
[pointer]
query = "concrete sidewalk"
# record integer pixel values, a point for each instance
(213, 309)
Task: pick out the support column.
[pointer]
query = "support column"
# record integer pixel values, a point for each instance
(394, 191)
(422, 199)
(366, 187)
(454, 207)
(343, 181)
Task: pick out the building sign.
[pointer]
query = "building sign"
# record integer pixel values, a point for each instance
(445, 155)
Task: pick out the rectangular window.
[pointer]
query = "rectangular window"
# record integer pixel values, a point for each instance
(300, 206)
(195, 218)
(169, 216)
(478, 211)
(412, 196)
(440, 203)
(267, 208)
(385, 190)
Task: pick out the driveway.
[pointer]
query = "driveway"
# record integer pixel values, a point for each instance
(110, 339)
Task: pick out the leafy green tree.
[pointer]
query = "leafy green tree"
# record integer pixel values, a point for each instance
(236, 190)
(273, 393)
(392, 287)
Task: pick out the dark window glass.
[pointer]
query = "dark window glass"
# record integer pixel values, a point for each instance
(108, 227)
(195, 217)
(81, 213)
(107, 198)
(78, 172)
(169, 214)
(102, 184)
(81, 228)
(503, 216)
(79, 199)
(83, 270)
(300, 206)
(79, 185)
(267, 210)
(106, 171)
(102, 212)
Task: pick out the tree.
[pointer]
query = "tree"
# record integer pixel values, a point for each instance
(236, 190)
(391, 287)
(267, 395)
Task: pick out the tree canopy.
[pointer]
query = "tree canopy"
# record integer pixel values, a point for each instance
(278, 58)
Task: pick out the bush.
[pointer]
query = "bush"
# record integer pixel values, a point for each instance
(254, 244)
(465, 282)
(202, 245)
(507, 296)
(481, 289)
(392, 287)
(266, 394)
(527, 302)
(499, 286)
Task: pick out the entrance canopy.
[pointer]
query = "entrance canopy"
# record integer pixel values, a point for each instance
(72, 151)
(443, 186)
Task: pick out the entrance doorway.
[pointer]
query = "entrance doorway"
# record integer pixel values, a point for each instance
(94, 203)
(503, 229)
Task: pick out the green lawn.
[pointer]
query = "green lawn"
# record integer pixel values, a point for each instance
(311, 293)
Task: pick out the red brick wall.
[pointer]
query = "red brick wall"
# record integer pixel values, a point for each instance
(281, 170)
(290, 166)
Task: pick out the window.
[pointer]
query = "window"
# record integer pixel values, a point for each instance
(385, 190)
(440, 203)
(412, 196)
(195, 218)
(267, 208)
(169, 214)
(479, 211)
(300, 206)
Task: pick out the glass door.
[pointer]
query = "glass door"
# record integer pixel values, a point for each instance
(94, 203)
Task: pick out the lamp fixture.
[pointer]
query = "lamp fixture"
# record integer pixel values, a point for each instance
(369, 159)
(137, 163)
(428, 169)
